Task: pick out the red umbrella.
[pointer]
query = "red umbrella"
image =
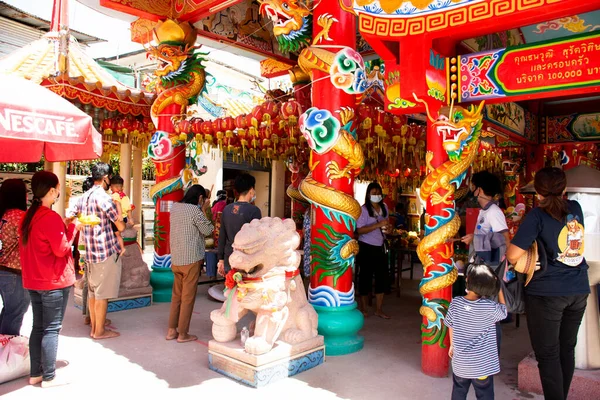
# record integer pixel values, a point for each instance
(34, 120)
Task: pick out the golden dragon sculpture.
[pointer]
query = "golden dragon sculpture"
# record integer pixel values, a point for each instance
(324, 131)
(180, 70)
(460, 133)
(181, 78)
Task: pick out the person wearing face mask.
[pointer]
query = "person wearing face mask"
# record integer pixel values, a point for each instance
(189, 226)
(234, 216)
(102, 248)
(372, 225)
(48, 273)
(491, 237)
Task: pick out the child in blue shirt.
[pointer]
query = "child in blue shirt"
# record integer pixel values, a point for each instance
(471, 320)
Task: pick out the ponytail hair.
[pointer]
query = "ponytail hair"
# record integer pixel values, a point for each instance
(551, 182)
(41, 183)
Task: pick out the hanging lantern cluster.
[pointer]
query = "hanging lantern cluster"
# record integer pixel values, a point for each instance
(394, 149)
(572, 154)
(270, 132)
(128, 129)
(489, 158)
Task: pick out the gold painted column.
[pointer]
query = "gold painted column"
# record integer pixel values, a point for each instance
(138, 185)
(125, 170)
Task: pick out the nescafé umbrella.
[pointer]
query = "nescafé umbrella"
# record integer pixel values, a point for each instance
(36, 121)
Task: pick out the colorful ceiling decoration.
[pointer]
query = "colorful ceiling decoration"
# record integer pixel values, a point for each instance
(562, 27)
(575, 127)
(243, 25)
(271, 68)
(85, 80)
(513, 118)
(494, 41)
(182, 10)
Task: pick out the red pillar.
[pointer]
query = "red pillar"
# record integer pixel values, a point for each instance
(168, 155)
(336, 158)
(435, 342)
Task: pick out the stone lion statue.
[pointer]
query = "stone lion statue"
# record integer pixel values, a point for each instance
(265, 279)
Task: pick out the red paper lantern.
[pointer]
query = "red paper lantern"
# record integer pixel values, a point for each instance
(227, 124)
(290, 108)
(241, 122)
(257, 113)
(108, 126)
(183, 126)
(271, 108)
(197, 125)
(206, 128)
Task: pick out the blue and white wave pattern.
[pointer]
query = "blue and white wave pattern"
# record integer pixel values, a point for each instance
(326, 296)
(162, 261)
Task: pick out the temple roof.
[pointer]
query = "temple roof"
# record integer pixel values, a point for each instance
(85, 80)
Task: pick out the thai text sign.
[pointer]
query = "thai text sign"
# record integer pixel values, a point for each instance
(556, 65)
(564, 64)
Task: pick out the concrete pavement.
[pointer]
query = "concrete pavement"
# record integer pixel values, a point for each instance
(143, 364)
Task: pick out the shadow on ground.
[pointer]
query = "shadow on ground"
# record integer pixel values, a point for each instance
(142, 363)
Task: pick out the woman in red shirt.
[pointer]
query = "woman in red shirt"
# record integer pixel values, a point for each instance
(48, 273)
(13, 203)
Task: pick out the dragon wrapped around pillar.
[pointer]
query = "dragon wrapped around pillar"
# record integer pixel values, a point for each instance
(336, 156)
(181, 77)
(460, 133)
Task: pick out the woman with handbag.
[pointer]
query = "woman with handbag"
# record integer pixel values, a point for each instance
(555, 298)
(48, 273)
(372, 225)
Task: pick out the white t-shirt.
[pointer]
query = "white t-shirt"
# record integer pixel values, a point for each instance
(490, 219)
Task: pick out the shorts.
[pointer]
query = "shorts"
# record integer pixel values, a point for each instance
(104, 278)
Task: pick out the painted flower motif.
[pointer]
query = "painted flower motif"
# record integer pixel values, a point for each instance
(342, 81)
(347, 71)
(320, 128)
(160, 146)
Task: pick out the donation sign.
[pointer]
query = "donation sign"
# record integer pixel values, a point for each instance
(564, 64)
(541, 67)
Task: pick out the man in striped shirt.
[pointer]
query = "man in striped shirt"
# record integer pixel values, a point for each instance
(471, 321)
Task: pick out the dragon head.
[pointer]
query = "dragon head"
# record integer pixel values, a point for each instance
(170, 59)
(175, 51)
(460, 129)
(292, 23)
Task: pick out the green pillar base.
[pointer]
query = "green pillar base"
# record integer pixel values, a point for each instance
(161, 280)
(340, 326)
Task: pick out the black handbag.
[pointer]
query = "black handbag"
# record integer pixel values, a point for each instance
(514, 290)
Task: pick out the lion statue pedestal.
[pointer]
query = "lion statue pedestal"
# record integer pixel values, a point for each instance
(265, 280)
(135, 290)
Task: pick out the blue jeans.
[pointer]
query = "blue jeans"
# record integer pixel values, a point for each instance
(210, 258)
(16, 302)
(48, 313)
(484, 388)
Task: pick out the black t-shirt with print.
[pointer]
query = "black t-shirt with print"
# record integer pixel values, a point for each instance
(566, 274)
